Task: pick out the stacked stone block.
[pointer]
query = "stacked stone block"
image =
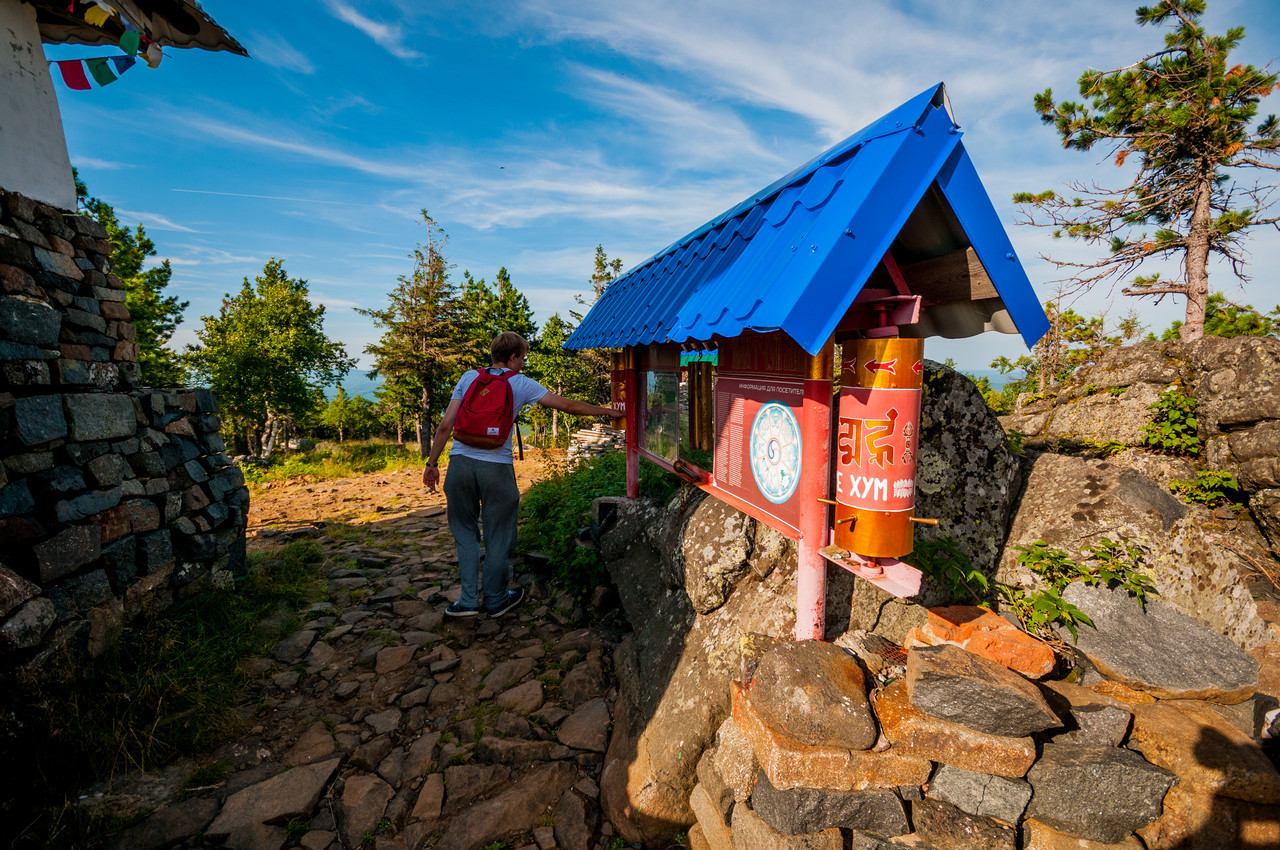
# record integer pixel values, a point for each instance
(113, 497)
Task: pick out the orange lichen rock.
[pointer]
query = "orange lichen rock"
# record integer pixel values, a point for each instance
(986, 634)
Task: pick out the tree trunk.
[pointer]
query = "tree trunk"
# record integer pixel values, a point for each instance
(1196, 261)
(271, 432)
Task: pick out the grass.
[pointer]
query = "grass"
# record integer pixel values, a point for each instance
(336, 460)
(168, 688)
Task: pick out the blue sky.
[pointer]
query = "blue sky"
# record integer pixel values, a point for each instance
(533, 131)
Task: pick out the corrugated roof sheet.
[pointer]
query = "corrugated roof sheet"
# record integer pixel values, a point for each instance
(795, 255)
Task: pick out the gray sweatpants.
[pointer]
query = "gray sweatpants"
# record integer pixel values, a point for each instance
(481, 493)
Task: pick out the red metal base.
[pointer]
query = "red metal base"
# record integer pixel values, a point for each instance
(889, 574)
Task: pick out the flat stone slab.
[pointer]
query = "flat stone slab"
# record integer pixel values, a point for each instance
(792, 764)
(987, 634)
(800, 810)
(981, 793)
(1099, 793)
(293, 793)
(914, 733)
(587, 728)
(946, 826)
(816, 692)
(952, 684)
(1157, 649)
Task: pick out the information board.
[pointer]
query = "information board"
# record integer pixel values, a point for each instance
(758, 444)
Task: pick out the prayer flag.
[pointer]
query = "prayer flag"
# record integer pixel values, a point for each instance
(96, 16)
(73, 74)
(102, 75)
(129, 42)
(153, 55)
(123, 63)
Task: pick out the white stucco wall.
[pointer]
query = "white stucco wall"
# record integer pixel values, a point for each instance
(33, 150)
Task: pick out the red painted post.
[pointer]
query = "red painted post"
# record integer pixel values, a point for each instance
(631, 363)
(815, 475)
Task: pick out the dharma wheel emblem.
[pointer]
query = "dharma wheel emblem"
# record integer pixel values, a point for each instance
(775, 452)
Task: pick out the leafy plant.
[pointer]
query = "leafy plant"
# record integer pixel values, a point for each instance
(949, 567)
(1209, 488)
(1173, 429)
(1038, 610)
(557, 506)
(1116, 392)
(1117, 565)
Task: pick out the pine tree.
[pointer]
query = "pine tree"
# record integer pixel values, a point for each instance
(424, 339)
(1183, 116)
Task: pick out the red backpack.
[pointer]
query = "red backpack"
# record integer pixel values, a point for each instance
(487, 411)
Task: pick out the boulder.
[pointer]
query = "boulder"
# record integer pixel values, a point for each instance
(1070, 502)
(1159, 650)
(1205, 751)
(1039, 836)
(517, 809)
(364, 800)
(715, 548)
(986, 634)
(952, 684)
(750, 831)
(966, 476)
(816, 692)
(1195, 819)
(1099, 793)
(293, 793)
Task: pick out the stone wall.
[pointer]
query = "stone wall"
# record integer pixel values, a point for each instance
(114, 498)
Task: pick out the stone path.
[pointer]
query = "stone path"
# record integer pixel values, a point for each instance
(380, 723)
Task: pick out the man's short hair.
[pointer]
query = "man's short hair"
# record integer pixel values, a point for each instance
(507, 345)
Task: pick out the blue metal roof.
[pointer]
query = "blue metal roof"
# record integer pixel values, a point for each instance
(795, 255)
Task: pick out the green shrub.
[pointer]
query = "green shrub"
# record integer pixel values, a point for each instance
(557, 506)
(950, 568)
(1173, 429)
(1209, 488)
(335, 460)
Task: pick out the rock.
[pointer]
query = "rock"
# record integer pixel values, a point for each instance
(514, 810)
(966, 476)
(169, 825)
(393, 658)
(713, 784)
(816, 693)
(294, 646)
(948, 828)
(315, 744)
(716, 545)
(1159, 650)
(384, 722)
(715, 829)
(952, 684)
(988, 635)
(506, 673)
(1070, 502)
(802, 810)
(430, 799)
(522, 699)
(369, 754)
(1198, 820)
(585, 681)
(587, 728)
(1205, 751)
(981, 793)
(913, 732)
(515, 751)
(293, 793)
(574, 823)
(735, 760)
(467, 782)
(1039, 836)
(791, 764)
(420, 757)
(1099, 793)
(364, 800)
(750, 832)
(1100, 725)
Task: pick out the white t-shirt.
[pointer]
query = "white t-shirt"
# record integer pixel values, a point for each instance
(524, 392)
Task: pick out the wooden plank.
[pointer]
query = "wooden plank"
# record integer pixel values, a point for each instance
(958, 276)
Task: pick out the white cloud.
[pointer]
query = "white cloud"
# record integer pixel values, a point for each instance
(387, 36)
(278, 53)
(99, 164)
(152, 221)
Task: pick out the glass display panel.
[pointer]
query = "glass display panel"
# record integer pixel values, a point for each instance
(662, 414)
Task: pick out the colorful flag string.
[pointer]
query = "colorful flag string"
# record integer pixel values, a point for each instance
(104, 70)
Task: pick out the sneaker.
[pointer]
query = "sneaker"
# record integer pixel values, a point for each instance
(457, 610)
(513, 600)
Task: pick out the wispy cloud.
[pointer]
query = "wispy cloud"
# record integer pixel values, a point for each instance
(387, 36)
(152, 221)
(273, 197)
(100, 164)
(278, 53)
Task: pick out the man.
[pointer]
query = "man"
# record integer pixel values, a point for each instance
(481, 485)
